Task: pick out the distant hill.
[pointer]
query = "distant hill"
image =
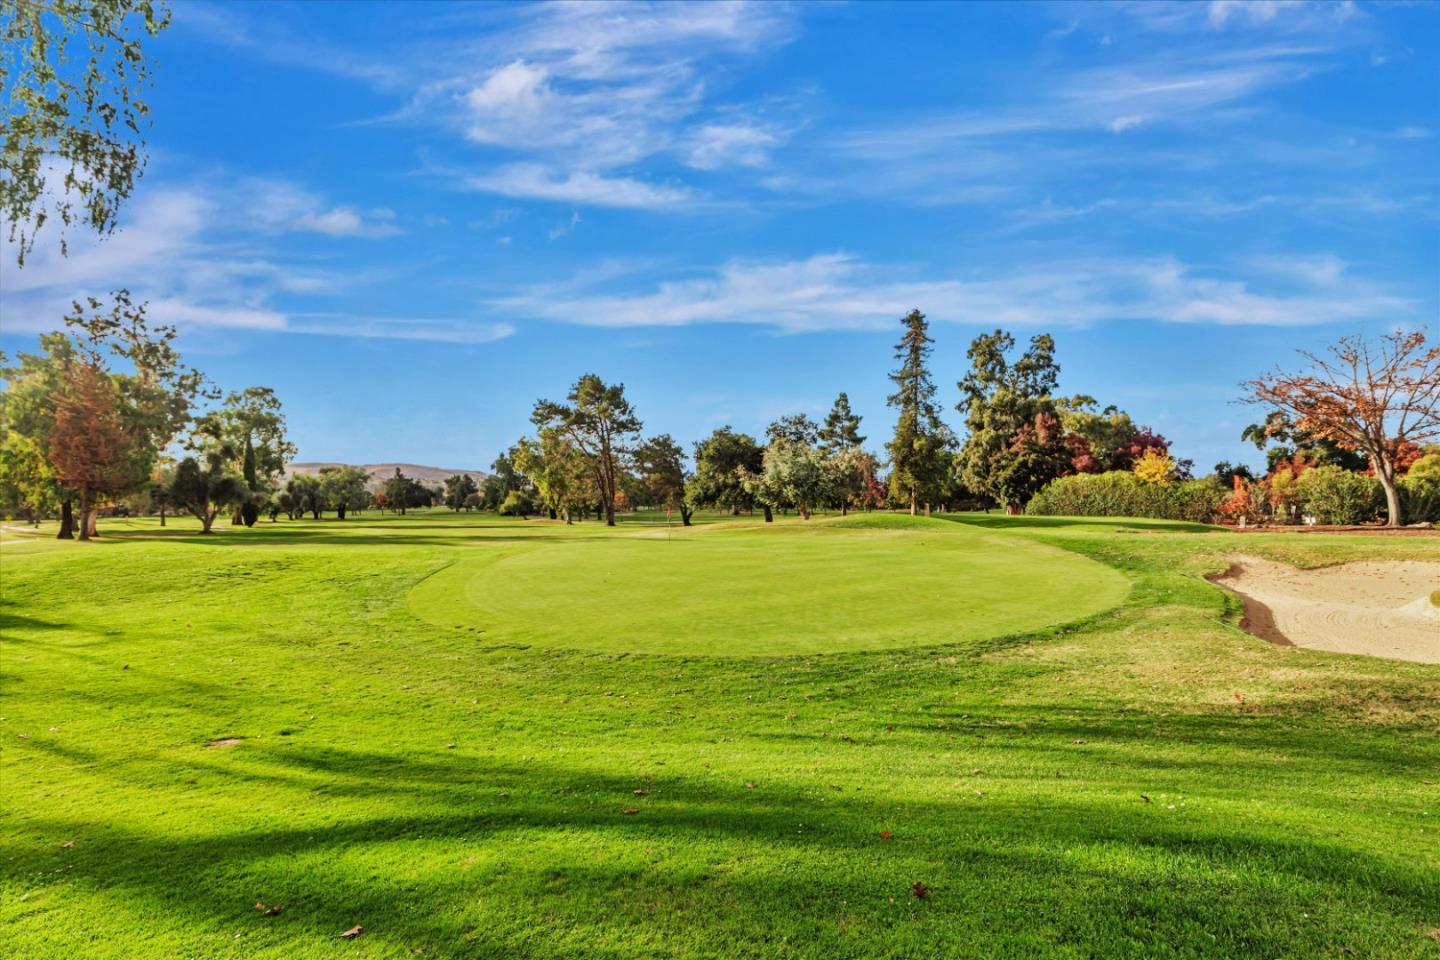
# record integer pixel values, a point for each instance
(378, 472)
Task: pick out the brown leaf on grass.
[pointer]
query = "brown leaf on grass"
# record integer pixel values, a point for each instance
(68, 844)
(273, 911)
(920, 890)
(1433, 933)
(1077, 742)
(1146, 799)
(23, 736)
(630, 811)
(1239, 697)
(885, 834)
(640, 792)
(749, 785)
(353, 932)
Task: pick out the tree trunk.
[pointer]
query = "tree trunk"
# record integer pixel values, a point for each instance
(913, 501)
(685, 514)
(844, 509)
(340, 512)
(162, 515)
(1392, 496)
(67, 522)
(769, 517)
(207, 517)
(734, 509)
(85, 519)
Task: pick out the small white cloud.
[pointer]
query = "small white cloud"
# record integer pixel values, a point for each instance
(538, 183)
(1127, 122)
(565, 229)
(342, 222)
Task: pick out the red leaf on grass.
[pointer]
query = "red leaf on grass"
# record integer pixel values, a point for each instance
(920, 890)
(885, 834)
(353, 932)
(1239, 697)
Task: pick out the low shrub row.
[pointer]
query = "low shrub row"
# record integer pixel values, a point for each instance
(1122, 494)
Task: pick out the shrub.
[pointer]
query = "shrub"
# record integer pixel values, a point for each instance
(249, 512)
(517, 503)
(1122, 494)
(1335, 495)
(1420, 496)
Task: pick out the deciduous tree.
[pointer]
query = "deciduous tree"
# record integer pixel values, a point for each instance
(75, 73)
(723, 461)
(93, 450)
(1365, 396)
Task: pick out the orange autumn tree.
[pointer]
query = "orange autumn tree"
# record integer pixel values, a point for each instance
(1372, 398)
(92, 450)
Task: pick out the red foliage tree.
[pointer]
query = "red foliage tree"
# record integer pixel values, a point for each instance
(91, 449)
(1363, 396)
(1082, 458)
(1143, 441)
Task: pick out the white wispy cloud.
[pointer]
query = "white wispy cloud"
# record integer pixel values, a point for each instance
(534, 181)
(201, 255)
(836, 291)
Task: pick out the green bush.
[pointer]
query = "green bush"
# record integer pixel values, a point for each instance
(517, 503)
(1335, 495)
(1122, 494)
(1419, 497)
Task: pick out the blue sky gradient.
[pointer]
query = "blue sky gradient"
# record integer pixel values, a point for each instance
(414, 219)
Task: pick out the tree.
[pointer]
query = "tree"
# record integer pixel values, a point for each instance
(600, 423)
(554, 467)
(71, 131)
(27, 422)
(842, 428)
(344, 489)
(207, 488)
(304, 496)
(791, 475)
(252, 423)
(723, 461)
(1035, 455)
(794, 428)
(397, 489)
(916, 461)
(848, 475)
(1000, 397)
(458, 489)
(660, 464)
(1364, 396)
(92, 450)
(1155, 467)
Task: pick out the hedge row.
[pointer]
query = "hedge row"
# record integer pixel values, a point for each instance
(1122, 494)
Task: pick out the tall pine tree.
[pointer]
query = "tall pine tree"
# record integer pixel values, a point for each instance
(917, 461)
(842, 428)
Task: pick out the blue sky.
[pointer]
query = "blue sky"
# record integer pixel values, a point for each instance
(414, 219)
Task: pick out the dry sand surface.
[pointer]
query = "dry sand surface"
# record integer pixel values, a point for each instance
(1378, 608)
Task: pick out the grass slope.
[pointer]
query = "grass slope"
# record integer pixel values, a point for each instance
(1150, 783)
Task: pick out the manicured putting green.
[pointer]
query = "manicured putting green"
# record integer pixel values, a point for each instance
(820, 588)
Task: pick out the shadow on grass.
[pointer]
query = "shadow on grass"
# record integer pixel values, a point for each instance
(462, 856)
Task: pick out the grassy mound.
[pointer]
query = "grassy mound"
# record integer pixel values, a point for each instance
(843, 585)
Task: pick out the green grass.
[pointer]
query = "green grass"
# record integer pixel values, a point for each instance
(1142, 781)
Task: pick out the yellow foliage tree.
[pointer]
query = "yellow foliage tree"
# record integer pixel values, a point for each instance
(1155, 467)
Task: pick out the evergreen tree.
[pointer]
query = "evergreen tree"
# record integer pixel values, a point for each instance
(920, 438)
(842, 428)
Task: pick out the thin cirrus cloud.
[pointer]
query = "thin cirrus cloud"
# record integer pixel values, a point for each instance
(836, 291)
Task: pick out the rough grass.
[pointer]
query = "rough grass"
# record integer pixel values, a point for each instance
(1149, 783)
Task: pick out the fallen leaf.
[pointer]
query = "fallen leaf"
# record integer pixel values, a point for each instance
(1077, 742)
(885, 834)
(260, 905)
(920, 890)
(1239, 697)
(1146, 799)
(23, 736)
(273, 911)
(353, 932)
(640, 792)
(629, 811)
(748, 784)
(68, 844)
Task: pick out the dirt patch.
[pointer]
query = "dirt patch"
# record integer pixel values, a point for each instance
(1424, 530)
(224, 742)
(1379, 608)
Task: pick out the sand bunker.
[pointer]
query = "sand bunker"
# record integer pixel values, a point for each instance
(1378, 608)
